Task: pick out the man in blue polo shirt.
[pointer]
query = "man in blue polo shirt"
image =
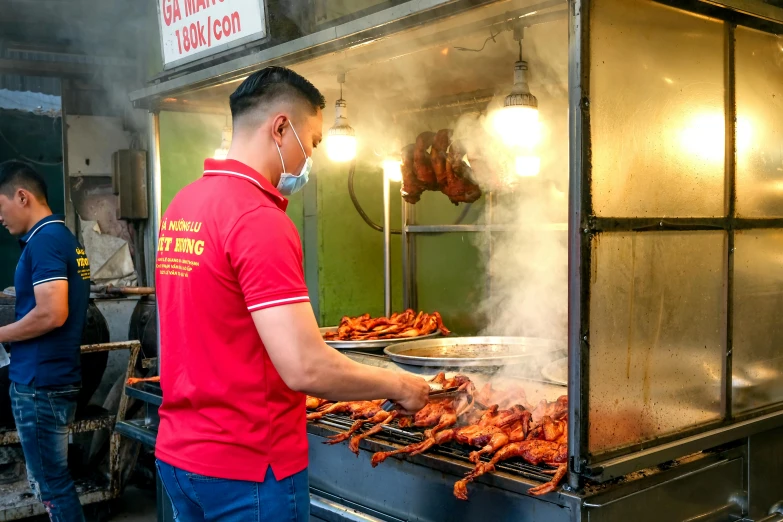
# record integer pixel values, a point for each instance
(52, 284)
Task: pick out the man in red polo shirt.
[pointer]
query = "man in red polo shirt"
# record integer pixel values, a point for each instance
(240, 346)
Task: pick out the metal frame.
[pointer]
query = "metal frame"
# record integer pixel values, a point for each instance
(584, 225)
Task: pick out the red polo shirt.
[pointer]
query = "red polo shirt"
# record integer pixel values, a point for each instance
(227, 248)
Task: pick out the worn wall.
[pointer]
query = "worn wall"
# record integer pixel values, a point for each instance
(24, 135)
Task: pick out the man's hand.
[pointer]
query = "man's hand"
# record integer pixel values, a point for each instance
(50, 312)
(417, 391)
(306, 364)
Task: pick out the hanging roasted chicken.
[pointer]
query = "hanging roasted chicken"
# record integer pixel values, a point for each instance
(437, 162)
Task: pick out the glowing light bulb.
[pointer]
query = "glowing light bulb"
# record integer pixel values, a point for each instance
(341, 148)
(517, 126)
(225, 143)
(392, 169)
(527, 166)
(341, 138)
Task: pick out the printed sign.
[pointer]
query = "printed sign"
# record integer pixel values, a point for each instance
(193, 29)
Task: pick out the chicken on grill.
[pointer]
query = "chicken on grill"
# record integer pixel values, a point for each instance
(532, 451)
(489, 434)
(313, 403)
(357, 409)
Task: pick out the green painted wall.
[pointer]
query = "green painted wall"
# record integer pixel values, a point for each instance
(38, 138)
(186, 139)
(350, 253)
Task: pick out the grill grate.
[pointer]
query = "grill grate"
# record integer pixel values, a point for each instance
(404, 436)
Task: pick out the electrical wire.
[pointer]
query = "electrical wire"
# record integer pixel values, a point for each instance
(491, 37)
(367, 219)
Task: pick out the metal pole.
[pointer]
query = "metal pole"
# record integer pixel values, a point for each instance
(155, 207)
(386, 245)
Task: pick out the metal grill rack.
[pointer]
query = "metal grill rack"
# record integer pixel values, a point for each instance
(394, 434)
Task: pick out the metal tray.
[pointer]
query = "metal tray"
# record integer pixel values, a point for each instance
(459, 352)
(369, 345)
(556, 371)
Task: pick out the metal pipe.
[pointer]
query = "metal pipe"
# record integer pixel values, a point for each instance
(439, 229)
(386, 245)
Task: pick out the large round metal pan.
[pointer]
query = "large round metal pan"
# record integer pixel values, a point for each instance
(368, 345)
(456, 352)
(556, 371)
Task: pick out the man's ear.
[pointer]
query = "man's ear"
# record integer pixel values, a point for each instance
(278, 126)
(22, 196)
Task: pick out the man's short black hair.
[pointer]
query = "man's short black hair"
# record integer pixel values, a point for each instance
(17, 174)
(271, 84)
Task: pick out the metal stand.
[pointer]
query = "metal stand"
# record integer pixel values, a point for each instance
(387, 297)
(17, 503)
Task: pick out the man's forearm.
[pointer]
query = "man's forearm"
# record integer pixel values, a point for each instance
(339, 378)
(34, 324)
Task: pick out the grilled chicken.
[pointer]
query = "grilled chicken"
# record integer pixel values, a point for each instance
(489, 434)
(407, 324)
(556, 410)
(440, 147)
(357, 409)
(378, 417)
(422, 163)
(532, 451)
(313, 403)
(411, 187)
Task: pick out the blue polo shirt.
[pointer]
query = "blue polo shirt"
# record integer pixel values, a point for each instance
(50, 252)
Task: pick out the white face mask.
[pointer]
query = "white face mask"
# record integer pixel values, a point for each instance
(290, 183)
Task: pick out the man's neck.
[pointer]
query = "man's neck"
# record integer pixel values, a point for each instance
(37, 215)
(253, 159)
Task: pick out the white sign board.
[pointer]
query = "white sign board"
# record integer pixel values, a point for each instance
(193, 29)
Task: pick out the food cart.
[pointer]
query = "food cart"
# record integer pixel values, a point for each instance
(647, 214)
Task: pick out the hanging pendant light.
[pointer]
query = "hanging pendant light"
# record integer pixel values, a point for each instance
(341, 138)
(517, 122)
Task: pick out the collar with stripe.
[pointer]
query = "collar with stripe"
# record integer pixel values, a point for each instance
(48, 220)
(237, 169)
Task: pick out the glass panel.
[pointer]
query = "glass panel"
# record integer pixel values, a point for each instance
(759, 123)
(656, 335)
(758, 330)
(657, 113)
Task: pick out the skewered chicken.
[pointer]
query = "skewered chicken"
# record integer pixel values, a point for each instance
(532, 451)
(411, 187)
(357, 409)
(135, 380)
(313, 403)
(399, 325)
(422, 163)
(353, 445)
(488, 433)
(378, 417)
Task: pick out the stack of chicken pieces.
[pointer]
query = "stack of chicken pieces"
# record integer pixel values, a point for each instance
(436, 162)
(499, 424)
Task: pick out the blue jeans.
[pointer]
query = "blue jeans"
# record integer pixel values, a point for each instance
(195, 497)
(43, 416)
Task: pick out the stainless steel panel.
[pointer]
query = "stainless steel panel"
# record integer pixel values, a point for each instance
(716, 488)
(765, 465)
(411, 492)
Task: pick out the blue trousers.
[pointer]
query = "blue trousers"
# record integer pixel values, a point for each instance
(199, 498)
(43, 416)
